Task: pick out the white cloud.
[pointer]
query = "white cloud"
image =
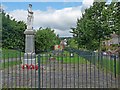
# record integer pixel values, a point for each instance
(2, 7)
(59, 20)
(86, 4)
(63, 33)
(19, 15)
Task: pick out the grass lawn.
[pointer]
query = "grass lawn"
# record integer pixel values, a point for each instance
(105, 63)
(10, 64)
(8, 53)
(65, 58)
(110, 65)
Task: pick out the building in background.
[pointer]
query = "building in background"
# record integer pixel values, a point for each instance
(112, 42)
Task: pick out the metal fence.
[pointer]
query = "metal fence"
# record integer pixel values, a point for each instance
(69, 68)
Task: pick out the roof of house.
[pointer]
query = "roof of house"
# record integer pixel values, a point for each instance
(114, 35)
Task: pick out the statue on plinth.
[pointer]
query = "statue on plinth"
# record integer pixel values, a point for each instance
(30, 18)
(29, 60)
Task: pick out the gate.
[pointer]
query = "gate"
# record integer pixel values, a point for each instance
(69, 68)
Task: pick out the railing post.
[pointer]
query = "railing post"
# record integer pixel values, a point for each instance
(101, 59)
(119, 70)
(115, 66)
(62, 56)
(39, 71)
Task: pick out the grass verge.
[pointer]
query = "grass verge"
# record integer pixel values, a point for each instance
(8, 53)
(9, 64)
(65, 58)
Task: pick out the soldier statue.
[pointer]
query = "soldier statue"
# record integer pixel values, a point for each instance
(30, 18)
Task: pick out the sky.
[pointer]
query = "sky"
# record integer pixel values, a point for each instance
(60, 16)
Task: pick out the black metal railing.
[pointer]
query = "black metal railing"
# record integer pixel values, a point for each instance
(68, 68)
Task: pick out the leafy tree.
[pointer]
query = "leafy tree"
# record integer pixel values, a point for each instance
(13, 35)
(45, 39)
(12, 32)
(93, 27)
(72, 43)
(114, 7)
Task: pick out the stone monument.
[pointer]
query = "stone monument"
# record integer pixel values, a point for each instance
(29, 55)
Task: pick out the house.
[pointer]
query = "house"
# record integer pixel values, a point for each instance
(114, 40)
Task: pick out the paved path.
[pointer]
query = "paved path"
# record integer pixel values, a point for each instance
(57, 75)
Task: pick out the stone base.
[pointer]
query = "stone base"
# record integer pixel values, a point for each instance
(29, 58)
(29, 32)
(29, 61)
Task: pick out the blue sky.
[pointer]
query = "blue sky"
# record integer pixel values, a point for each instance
(39, 5)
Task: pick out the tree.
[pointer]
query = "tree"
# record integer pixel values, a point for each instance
(115, 17)
(92, 28)
(45, 39)
(12, 32)
(72, 43)
(13, 35)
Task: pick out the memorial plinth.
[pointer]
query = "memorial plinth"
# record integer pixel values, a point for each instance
(29, 55)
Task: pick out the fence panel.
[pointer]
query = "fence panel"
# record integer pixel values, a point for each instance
(68, 68)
